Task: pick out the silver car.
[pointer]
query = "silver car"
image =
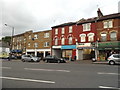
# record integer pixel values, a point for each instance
(114, 59)
(30, 58)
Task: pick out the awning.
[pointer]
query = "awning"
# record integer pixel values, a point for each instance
(16, 51)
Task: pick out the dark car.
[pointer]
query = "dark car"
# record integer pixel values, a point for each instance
(53, 59)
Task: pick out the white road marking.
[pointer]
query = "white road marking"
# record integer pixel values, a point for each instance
(47, 70)
(108, 73)
(5, 67)
(109, 87)
(30, 80)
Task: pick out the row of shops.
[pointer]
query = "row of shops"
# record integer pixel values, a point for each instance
(80, 51)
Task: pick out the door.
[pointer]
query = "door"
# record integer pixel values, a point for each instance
(80, 54)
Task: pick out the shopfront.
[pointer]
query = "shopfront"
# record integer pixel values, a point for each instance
(69, 52)
(105, 49)
(56, 50)
(85, 51)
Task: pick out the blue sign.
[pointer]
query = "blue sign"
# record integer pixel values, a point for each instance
(68, 47)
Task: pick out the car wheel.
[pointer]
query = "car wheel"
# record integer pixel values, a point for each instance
(111, 62)
(46, 61)
(32, 60)
(23, 60)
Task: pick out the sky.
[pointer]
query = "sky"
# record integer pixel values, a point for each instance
(40, 15)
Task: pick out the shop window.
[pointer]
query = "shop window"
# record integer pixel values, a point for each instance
(83, 37)
(56, 41)
(113, 36)
(70, 40)
(63, 30)
(91, 37)
(63, 41)
(103, 36)
(108, 24)
(56, 31)
(70, 29)
(86, 27)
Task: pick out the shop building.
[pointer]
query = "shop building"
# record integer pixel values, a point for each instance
(64, 40)
(108, 35)
(86, 38)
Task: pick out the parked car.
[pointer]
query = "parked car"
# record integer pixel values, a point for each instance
(54, 59)
(114, 59)
(30, 58)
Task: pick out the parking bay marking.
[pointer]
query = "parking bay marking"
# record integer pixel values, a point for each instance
(30, 80)
(108, 73)
(47, 70)
(109, 87)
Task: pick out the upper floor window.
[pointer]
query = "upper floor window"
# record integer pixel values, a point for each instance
(70, 40)
(29, 44)
(13, 39)
(63, 41)
(90, 37)
(70, 29)
(29, 36)
(103, 36)
(46, 44)
(35, 36)
(86, 27)
(83, 37)
(46, 35)
(108, 24)
(113, 35)
(35, 45)
(63, 30)
(56, 31)
(56, 41)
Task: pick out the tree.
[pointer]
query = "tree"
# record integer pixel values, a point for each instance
(7, 39)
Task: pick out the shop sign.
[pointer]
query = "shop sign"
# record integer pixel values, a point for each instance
(56, 47)
(109, 44)
(84, 45)
(68, 47)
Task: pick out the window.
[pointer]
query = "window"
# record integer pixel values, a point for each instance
(113, 36)
(35, 45)
(103, 36)
(35, 36)
(46, 35)
(29, 44)
(56, 31)
(86, 27)
(63, 41)
(63, 30)
(70, 29)
(83, 37)
(56, 41)
(46, 44)
(90, 37)
(70, 40)
(108, 24)
(13, 39)
(29, 36)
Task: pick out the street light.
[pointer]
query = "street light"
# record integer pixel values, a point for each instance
(11, 35)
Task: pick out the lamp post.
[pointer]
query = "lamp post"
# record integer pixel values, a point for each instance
(11, 35)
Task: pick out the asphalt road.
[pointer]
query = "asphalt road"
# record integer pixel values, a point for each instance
(17, 74)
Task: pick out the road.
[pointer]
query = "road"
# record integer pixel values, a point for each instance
(17, 74)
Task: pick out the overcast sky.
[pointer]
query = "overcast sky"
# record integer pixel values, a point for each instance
(38, 15)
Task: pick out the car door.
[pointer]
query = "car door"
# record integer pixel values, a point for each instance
(28, 58)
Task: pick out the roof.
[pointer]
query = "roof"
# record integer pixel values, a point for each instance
(65, 24)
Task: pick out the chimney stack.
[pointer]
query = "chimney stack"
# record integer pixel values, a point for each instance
(99, 13)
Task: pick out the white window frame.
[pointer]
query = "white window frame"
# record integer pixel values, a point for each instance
(56, 31)
(63, 30)
(35, 45)
(83, 37)
(115, 36)
(29, 36)
(70, 29)
(36, 36)
(29, 44)
(86, 27)
(103, 34)
(63, 41)
(70, 40)
(46, 35)
(46, 44)
(56, 41)
(108, 24)
(91, 35)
